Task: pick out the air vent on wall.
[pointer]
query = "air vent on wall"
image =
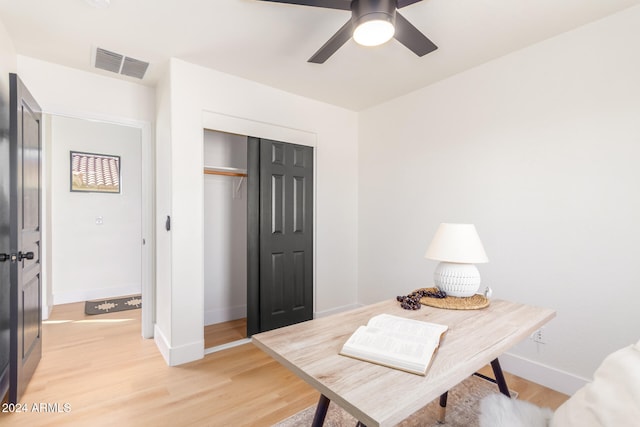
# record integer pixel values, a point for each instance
(120, 64)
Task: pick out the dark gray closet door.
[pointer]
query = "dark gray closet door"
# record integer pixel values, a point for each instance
(281, 215)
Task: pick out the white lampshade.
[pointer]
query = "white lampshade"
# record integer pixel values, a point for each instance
(457, 243)
(458, 247)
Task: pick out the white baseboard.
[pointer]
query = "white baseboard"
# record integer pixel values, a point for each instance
(542, 374)
(186, 353)
(175, 356)
(46, 311)
(226, 314)
(162, 343)
(329, 312)
(91, 294)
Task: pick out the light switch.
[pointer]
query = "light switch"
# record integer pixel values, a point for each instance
(99, 220)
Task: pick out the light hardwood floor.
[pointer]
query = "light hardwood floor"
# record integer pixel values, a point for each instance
(109, 375)
(226, 332)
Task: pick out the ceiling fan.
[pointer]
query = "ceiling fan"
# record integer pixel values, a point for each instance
(372, 23)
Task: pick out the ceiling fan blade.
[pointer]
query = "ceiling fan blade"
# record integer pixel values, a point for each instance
(404, 3)
(334, 43)
(412, 38)
(328, 4)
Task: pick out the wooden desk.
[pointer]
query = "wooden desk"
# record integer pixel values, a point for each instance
(380, 396)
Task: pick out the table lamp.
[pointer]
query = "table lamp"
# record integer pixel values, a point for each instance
(458, 248)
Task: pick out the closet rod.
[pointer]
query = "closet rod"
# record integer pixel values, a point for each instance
(225, 173)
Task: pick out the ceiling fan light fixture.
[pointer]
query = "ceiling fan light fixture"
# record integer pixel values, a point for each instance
(374, 31)
(372, 23)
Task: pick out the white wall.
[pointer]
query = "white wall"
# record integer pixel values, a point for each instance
(94, 259)
(194, 91)
(63, 90)
(225, 229)
(69, 92)
(8, 64)
(540, 150)
(8, 58)
(163, 322)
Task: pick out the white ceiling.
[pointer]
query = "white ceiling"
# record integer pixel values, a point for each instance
(271, 42)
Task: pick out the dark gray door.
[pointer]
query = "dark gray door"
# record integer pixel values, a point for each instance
(280, 259)
(5, 243)
(26, 298)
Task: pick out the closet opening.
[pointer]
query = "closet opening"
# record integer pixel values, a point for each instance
(225, 240)
(258, 236)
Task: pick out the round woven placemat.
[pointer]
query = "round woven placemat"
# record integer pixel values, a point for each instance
(456, 303)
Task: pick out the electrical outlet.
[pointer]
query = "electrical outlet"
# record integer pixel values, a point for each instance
(539, 336)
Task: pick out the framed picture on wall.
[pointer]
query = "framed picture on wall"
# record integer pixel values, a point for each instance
(95, 173)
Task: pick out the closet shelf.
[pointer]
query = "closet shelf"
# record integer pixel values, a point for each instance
(215, 170)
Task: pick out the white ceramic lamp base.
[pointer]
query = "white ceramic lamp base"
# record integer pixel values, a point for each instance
(457, 279)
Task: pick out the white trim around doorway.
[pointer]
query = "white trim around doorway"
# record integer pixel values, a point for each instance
(147, 203)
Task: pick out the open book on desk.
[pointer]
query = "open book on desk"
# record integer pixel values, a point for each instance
(396, 342)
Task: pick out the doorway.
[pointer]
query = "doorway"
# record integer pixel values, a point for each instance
(98, 245)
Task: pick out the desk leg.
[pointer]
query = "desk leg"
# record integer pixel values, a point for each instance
(321, 411)
(442, 409)
(502, 383)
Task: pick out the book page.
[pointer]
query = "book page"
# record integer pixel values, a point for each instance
(375, 340)
(410, 327)
(397, 342)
